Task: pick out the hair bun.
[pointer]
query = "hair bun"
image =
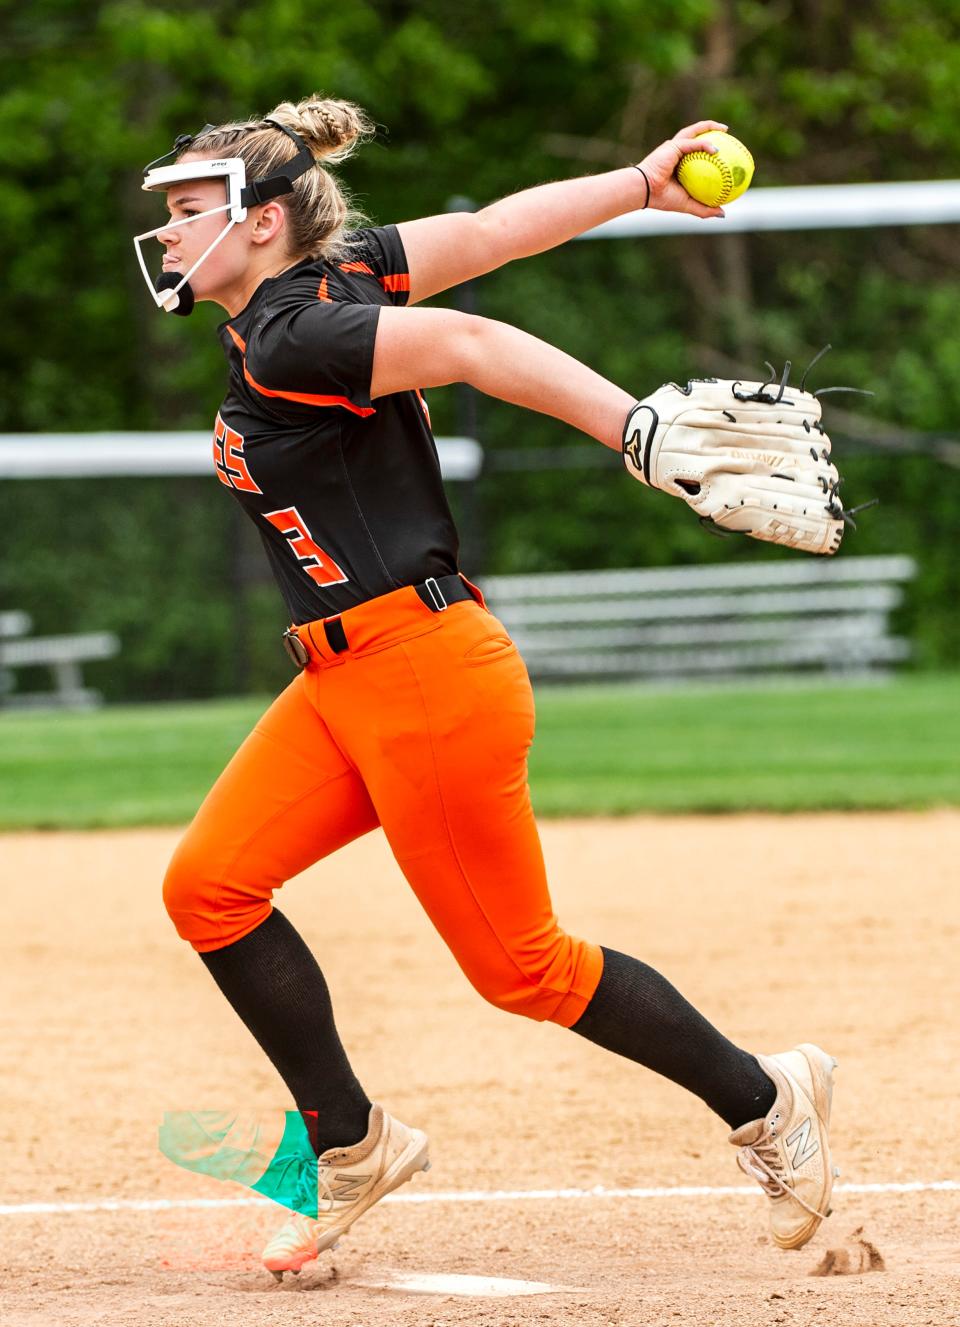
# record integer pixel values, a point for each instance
(330, 128)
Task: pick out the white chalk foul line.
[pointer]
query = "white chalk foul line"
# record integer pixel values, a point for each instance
(463, 1196)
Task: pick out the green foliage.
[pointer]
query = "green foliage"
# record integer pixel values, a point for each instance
(478, 100)
(598, 751)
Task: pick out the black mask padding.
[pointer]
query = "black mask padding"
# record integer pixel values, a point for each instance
(167, 281)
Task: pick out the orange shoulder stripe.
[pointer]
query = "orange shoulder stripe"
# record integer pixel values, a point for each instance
(308, 398)
(397, 281)
(237, 340)
(356, 267)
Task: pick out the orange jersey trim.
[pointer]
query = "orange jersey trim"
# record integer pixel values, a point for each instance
(302, 398)
(237, 340)
(365, 268)
(426, 409)
(398, 281)
(308, 398)
(323, 293)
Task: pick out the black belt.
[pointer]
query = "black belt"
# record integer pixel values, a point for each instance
(436, 593)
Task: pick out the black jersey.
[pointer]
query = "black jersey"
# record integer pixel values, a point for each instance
(346, 494)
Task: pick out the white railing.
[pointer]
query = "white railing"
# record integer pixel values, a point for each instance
(89, 455)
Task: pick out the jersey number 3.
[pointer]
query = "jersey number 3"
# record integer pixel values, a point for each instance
(319, 566)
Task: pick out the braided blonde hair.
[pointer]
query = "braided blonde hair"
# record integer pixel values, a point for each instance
(320, 213)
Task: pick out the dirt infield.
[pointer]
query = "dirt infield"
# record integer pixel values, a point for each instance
(839, 929)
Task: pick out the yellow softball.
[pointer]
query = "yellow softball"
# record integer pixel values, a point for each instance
(715, 178)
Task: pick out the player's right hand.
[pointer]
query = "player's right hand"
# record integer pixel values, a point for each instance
(659, 166)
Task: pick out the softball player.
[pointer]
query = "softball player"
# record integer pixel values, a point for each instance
(411, 708)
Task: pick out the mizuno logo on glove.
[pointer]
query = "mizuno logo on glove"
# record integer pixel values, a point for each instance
(638, 434)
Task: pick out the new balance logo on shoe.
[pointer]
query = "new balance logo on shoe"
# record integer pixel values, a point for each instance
(803, 1147)
(348, 1186)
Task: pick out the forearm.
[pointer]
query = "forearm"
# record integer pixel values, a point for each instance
(505, 362)
(550, 214)
(442, 251)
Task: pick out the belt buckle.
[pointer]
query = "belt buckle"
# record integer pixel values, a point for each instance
(435, 593)
(296, 649)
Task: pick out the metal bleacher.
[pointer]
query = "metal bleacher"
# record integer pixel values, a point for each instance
(683, 623)
(62, 655)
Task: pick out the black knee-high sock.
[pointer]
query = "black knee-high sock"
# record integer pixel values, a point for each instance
(273, 982)
(637, 1013)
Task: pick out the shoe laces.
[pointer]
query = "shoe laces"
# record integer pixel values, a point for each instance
(307, 1173)
(762, 1162)
(325, 1199)
(311, 1183)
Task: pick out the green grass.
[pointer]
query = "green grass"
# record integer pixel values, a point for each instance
(776, 749)
(609, 750)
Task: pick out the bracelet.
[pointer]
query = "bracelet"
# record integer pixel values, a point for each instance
(646, 181)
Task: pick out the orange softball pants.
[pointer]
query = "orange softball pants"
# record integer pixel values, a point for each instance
(422, 726)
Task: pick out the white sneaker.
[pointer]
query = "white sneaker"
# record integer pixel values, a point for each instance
(349, 1180)
(788, 1152)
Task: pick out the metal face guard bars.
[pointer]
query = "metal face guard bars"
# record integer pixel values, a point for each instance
(169, 298)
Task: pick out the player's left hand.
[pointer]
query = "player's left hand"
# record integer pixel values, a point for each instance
(749, 458)
(667, 194)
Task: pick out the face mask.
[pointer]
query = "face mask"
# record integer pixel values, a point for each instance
(171, 292)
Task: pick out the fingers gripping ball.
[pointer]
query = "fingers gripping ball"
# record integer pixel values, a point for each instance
(715, 178)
